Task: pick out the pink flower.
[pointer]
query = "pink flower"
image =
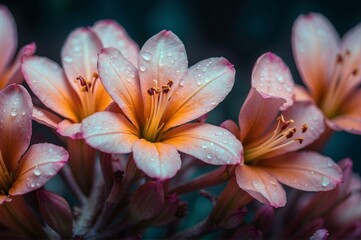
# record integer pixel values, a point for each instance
(21, 169)
(75, 92)
(330, 68)
(271, 138)
(158, 99)
(10, 70)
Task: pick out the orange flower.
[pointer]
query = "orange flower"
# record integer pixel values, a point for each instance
(10, 71)
(75, 92)
(330, 68)
(271, 138)
(23, 171)
(157, 101)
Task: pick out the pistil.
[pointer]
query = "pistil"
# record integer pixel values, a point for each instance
(87, 88)
(282, 136)
(159, 100)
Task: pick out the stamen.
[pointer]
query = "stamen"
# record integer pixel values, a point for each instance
(304, 128)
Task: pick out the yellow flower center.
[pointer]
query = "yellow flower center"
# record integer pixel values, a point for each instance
(87, 88)
(159, 100)
(340, 85)
(6, 178)
(282, 136)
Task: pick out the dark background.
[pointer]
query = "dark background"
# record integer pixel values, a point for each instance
(237, 30)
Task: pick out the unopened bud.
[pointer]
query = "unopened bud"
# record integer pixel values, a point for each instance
(168, 212)
(320, 234)
(234, 219)
(263, 218)
(147, 201)
(56, 213)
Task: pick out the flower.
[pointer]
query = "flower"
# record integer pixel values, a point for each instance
(271, 138)
(330, 68)
(10, 71)
(157, 100)
(22, 170)
(75, 92)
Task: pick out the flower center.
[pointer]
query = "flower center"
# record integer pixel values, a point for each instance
(342, 83)
(87, 88)
(159, 100)
(281, 137)
(6, 178)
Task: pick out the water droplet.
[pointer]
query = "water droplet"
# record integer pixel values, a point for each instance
(34, 81)
(209, 155)
(37, 171)
(288, 89)
(219, 133)
(204, 69)
(214, 103)
(142, 67)
(32, 184)
(68, 59)
(280, 79)
(14, 112)
(325, 181)
(76, 48)
(258, 185)
(146, 56)
(204, 146)
(312, 172)
(199, 83)
(151, 159)
(181, 83)
(330, 163)
(51, 150)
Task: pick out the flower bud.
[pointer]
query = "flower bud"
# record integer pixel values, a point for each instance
(234, 219)
(56, 213)
(168, 212)
(263, 218)
(147, 201)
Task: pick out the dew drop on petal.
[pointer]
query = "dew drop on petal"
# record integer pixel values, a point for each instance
(325, 181)
(68, 59)
(330, 163)
(181, 83)
(219, 133)
(199, 83)
(37, 171)
(204, 146)
(142, 68)
(209, 156)
(146, 56)
(14, 112)
(258, 185)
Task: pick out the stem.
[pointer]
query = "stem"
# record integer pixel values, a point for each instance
(202, 228)
(92, 207)
(69, 179)
(215, 177)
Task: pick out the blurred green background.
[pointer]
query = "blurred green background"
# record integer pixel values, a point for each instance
(237, 30)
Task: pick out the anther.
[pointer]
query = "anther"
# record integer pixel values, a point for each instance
(304, 128)
(339, 58)
(83, 84)
(348, 52)
(300, 140)
(289, 134)
(355, 72)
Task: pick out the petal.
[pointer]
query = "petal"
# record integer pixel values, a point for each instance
(349, 117)
(201, 89)
(15, 123)
(40, 163)
(46, 117)
(109, 132)
(79, 55)
(304, 113)
(308, 171)
(272, 76)
(351, 43)
(47, 80)
(120, 79)
(301, 94)
(69, 129)
(162, 58)
(232, 127)
(260, 185)
(113, 35)
(13, 73)
(211, 144)
(257, 114)
(8, 37)
(315, 44)
(156, 160)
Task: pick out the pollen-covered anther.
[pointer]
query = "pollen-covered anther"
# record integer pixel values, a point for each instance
(83, 84)
(300, 140)
(304, 128)
(339, 58)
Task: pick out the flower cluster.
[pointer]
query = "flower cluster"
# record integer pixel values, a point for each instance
(130, 127)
